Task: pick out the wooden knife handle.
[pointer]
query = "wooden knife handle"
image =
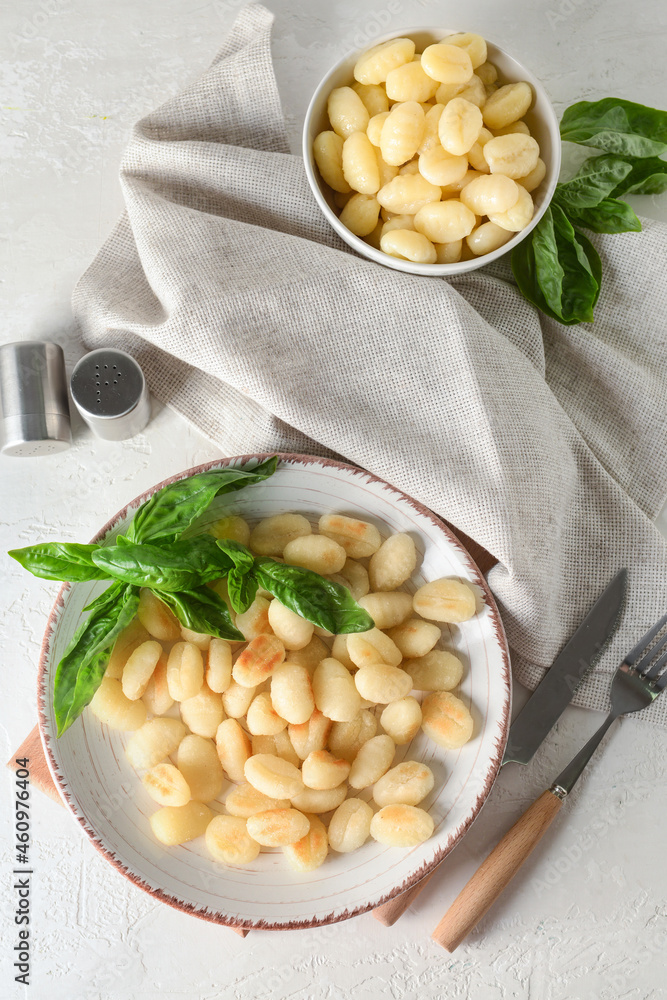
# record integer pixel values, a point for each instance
(389, 912)
(502, 864)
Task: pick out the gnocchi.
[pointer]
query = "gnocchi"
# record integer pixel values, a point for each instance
(173, 825)
(402, 133)
(166, 785)
(381, 683)
(317, 553)
(357, 538)
(293, 631)
(273, 776)
(401, 719)
(198, 762)
(360, 164)
(408, 783)
(311, 851)
(387, 609)
(408, 245)
(258, 660)
(393, 563)
(292, 695)
(278, 827)
(244, 800)
(438, 670)
(185, 671)
(415, 637)
(128, 640)
(445, 600)
(292, 718)
(228, 840)
(446, 720)
(401, 826)
(309, 736)
(321, 770)
(411, 134)
(203, 713)
(334, 691)
(111, 706)
(372, 761)
(350, 825)
(154, 741)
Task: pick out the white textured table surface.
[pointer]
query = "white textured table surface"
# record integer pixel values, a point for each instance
(587, 917)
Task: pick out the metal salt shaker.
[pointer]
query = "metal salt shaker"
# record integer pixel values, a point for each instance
(34, 408)
(110, 392)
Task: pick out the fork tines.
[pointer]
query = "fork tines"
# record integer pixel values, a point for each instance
(643, 660)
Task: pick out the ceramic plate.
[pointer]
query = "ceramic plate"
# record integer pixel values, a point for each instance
(108, 800)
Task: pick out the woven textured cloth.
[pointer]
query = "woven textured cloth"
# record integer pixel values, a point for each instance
(546, 444)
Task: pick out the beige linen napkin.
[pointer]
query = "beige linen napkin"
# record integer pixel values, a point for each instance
(546, 444)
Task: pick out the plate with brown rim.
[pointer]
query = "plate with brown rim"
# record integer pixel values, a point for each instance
(107, 798)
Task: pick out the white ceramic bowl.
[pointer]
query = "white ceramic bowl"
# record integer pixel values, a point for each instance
(541, 119)
(106, 796)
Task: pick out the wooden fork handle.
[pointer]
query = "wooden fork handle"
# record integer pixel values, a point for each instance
(389, 912)
(491, 878)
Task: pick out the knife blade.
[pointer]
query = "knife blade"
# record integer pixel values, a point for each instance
(555, 691)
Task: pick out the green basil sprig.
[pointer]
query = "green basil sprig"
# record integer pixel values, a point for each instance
(558, 270)
(556, 267)
(174, 508)
(242, 589)
(60, 561)
(177, 570)
(80, 672)
(312, 596)
(202, 610)
(646, 176)
(609, 216)
(597, 178)
(616, 126)
(179, 565)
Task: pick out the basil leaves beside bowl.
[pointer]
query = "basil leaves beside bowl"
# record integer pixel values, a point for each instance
(154, 555)
(556, 266)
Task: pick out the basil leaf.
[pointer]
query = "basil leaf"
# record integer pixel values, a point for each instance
(202, 610)
(647, 176)
(241, 557)
(549, 272)
(524, 268)
(312, 596)
(60, 561)
(609, 216)
(81, 669)
(172, 510)
(594, 261)
(580, 288)
(558, 269)
(178, 566)
(616, 126)
(242, 589)
(595, 180)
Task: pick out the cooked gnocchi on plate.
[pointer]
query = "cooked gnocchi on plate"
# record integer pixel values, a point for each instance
(304, 725)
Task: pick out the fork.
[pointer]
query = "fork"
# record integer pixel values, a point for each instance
(637, 682)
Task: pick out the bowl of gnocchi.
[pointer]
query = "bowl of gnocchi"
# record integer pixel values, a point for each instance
(434, 152)
(291, 776)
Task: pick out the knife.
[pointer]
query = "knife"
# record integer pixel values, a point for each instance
(556, 689)
(546, 704)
